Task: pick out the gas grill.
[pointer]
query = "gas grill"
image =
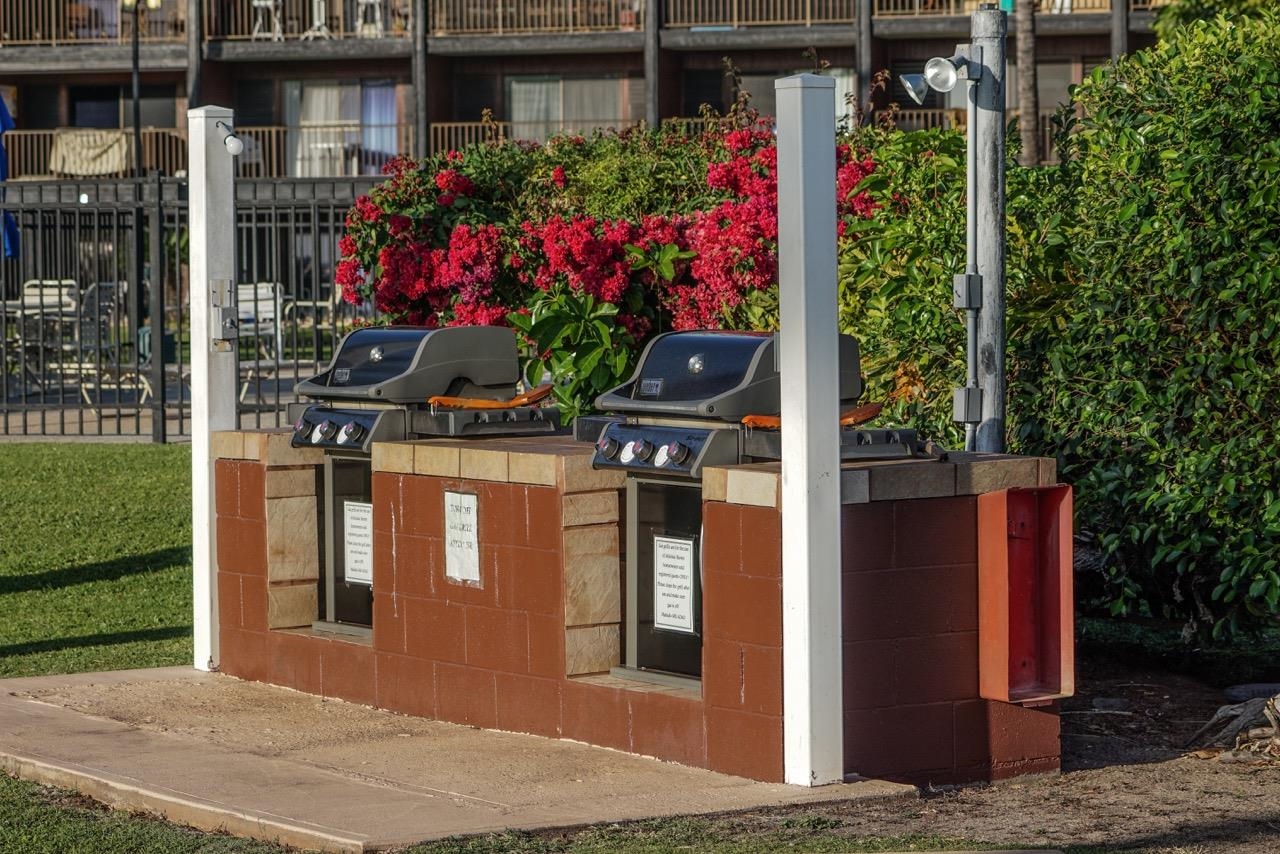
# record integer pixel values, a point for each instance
(698, 399)
(389, 384)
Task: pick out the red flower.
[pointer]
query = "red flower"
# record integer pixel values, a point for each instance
(454, 182)
(557, 176)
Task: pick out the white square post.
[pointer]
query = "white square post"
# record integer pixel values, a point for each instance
(812, 714)
(212, 220)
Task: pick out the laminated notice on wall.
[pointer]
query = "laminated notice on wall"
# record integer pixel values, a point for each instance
(357, 551)
(461, 538)
(673, 581)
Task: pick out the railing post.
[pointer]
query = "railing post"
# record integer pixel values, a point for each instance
(212, 219)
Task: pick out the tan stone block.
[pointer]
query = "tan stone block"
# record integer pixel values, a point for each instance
(588, 508)
(437, 460)
(291, 482)
(577, 475)
(982, 473)
(226, 445)
(1048, 471)
(275, 450)
(715, 484)
(592, 577)
(532, 467)
(292, 539)
(754, 487)
(592, 649)
(897, 481)
(290, 606)
(483, 464)
(855, 486)
(394, 457)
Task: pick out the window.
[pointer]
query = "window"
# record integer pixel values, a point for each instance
(340, 127)
(95, 106)
(543, 106)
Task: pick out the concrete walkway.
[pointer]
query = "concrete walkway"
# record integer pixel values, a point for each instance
(213, 752)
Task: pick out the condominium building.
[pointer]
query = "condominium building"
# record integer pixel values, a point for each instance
(336, 87)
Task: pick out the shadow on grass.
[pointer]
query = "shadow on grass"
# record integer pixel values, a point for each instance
(107, 570)
(105, 639)
(1189, 835)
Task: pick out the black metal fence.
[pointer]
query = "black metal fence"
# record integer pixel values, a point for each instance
(86, 353)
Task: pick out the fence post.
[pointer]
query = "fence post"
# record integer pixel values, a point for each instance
(159, 431)
(213, 371)
(808, 347)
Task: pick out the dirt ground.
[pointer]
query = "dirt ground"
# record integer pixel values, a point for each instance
(1128, 781)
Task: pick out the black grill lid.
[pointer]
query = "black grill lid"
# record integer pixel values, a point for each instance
(408, 364)
(712, 374)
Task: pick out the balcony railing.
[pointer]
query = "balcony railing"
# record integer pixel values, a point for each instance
(320, 150)
(84, 153)
(924, 8)
(281, 20)
(312, 151)
(500, 17)
(55, 22)
(454, 136)
(751, 13)
(907, 120)
(1147, 5)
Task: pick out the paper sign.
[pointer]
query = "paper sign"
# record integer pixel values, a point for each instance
(357, 524)
(461, 538)
(673, 581)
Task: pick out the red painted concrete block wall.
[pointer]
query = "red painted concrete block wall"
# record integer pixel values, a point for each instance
(912, 706)
(742, 649)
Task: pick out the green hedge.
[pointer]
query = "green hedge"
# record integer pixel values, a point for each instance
(1161, 392)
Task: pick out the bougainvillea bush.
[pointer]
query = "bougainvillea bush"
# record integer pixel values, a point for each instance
(1142, 291)
(588, 244)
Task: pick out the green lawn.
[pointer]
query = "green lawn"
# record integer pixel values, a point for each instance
(95, 557)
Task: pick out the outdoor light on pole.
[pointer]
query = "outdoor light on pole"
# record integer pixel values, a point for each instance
(135, 290)
(979, 290)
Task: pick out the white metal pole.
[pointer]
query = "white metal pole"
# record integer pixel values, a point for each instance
(811, 666)
(213, 364)
(989, 26)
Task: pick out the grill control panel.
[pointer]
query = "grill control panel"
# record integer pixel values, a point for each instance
(679, 451)
(346, 429)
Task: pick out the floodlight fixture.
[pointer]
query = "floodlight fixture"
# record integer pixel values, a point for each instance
(917, 87)
(943, 72)
(234, 144)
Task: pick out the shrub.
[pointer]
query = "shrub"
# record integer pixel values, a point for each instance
(1161, 390)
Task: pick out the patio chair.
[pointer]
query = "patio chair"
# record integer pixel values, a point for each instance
(259, 308)
(261, 10)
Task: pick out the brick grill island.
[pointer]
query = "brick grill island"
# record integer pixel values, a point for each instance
(529, 648)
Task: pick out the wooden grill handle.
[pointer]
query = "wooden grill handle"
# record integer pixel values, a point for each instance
(849, 418)
(529, 398)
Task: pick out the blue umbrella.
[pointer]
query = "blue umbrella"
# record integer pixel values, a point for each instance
(10, 227)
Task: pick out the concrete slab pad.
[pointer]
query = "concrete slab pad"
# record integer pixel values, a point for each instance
(255, 760)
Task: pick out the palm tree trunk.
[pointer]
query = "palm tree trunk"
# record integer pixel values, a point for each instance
(1024, 22)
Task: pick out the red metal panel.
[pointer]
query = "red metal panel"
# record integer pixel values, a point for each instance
(1025, 608)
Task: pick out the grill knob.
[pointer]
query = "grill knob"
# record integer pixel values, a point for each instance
(608, 447)
(351, 433)
(301, 426)
(678, 453)
(325, 432)
(643, 449)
